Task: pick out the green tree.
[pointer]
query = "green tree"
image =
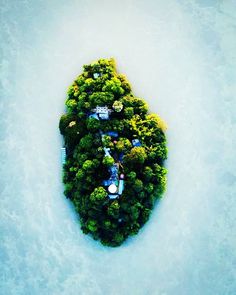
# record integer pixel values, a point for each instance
(138, 185)
(117, 106)
(93, 124)
(161, 179)
(144, 215)
(118, 238)
(134, 228)
(107, 224)
(65, 120)
(149, 188)
(123, 145)
(92, 225)
(113, 86)
(113, 209)
(106, 140)
(68, 189)
(86, 142)
(101, 98)
(131, 175)
(148, 173)
(71, 105)
(158, 152)
(139, 105)
(80, 174)
(108, 161)
(156, 121)
(128, 112)
(124, 83)
(136, 155)
(98, 196)
(82, 100)
(135, 210)
(88, 165)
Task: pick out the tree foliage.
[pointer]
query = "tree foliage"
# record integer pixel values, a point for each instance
(117, 106)
(108, 161)
(111, 220)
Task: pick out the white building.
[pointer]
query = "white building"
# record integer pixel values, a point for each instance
(112, 188)
(102, 112)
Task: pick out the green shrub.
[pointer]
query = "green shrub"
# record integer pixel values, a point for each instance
(108, 161)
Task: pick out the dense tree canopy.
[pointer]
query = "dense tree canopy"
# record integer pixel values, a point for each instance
(128, 147)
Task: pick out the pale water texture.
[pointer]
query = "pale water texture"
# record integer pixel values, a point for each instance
(178, 55)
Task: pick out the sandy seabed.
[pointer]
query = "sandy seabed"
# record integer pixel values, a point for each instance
(180, 56)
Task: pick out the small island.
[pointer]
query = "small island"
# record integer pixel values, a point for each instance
(113, 155)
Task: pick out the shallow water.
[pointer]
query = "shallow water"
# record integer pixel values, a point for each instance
(179, 56)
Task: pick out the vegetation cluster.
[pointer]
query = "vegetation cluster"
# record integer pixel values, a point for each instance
(111, 220)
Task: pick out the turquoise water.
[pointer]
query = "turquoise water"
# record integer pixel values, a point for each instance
(178, 55)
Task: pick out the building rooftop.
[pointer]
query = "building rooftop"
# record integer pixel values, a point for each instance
(113, 196)
(112, 188)
(102, 112)
(121, 186)
(107, 182)
(63, 155)
(112, 133)
(136, 142)
(100, 109)
(95, 116)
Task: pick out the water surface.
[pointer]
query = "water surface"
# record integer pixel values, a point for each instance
(180, 57)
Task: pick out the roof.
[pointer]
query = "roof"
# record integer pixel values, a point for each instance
(101, 109)
(102, 112)
(136, 142)
(95, 116)
(112, 133)
(112, 188)
(107, 182)
(113, 196)
(63, 155)
(104, 116)
(121, 186)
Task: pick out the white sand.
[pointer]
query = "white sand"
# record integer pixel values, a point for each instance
(179, 56)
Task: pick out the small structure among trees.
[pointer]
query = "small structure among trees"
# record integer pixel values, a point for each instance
(136, 142)
(102, 112)
(63, 155)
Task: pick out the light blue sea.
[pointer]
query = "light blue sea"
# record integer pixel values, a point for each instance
(179, 55)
